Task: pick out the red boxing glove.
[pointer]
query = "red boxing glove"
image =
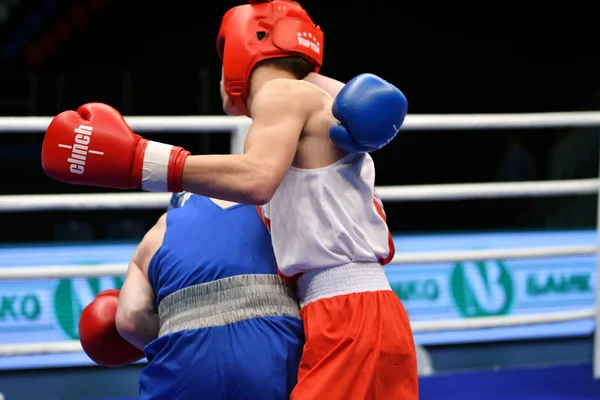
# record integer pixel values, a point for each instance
(99, 336)
(94, 146)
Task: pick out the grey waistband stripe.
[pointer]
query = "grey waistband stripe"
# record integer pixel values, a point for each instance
(226, 301)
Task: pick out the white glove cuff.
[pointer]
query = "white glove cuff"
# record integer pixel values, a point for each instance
(155, 170)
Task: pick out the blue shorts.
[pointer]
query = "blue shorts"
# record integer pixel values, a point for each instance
(252, 359)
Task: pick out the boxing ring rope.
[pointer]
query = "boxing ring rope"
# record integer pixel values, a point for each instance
(461, 191)
(238, 126)
(416, 122)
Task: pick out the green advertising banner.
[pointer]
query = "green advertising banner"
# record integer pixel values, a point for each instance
(497, 288)
(49, 310)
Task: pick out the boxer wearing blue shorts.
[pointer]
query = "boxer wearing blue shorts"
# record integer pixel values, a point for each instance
(202, 298)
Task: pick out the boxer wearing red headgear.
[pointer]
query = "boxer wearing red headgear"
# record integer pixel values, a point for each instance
(262, 31)
(306, 164)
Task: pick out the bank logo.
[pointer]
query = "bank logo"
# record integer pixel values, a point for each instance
(482, 289)
(20, 308)
(72, 295)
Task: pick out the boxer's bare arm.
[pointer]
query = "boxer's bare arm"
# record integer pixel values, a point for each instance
(137, 320)
(330, 85)
(279, 112)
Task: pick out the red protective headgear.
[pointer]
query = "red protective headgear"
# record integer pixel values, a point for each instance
(262, 30)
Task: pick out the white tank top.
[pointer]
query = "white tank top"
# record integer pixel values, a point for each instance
(328, 217)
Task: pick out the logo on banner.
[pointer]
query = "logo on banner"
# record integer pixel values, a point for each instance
(72, 295)
(20, 307)
(482, 289)
(417, 289)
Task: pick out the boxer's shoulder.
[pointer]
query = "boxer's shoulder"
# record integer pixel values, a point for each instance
(161, 224)
(150, 243)
(288, 95)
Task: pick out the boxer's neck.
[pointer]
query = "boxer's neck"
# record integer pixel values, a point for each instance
(262, 75)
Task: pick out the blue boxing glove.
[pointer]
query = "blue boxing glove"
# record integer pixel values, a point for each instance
(371, 112)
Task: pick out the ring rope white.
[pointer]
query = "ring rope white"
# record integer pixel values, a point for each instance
(466, 191)
(195, 124)
(462, 191)
(73, 346)
(94, 271)
(446, 122)
(40, 348)
(493, 254)
(62, 272)
(499, 322)
(421, 122)
(83, 202)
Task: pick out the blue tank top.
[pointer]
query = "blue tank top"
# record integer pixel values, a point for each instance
(204, 242)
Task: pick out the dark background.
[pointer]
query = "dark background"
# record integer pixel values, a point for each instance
(159, 58)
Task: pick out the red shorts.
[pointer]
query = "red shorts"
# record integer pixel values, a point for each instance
(358, 346)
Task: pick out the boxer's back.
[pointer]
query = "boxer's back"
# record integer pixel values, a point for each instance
(229, 326)
(204, 242)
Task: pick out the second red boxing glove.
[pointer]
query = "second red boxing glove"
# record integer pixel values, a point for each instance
(99, 336)
(94, 146)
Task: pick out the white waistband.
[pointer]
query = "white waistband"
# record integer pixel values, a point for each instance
(226, 301)
(323, 283)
